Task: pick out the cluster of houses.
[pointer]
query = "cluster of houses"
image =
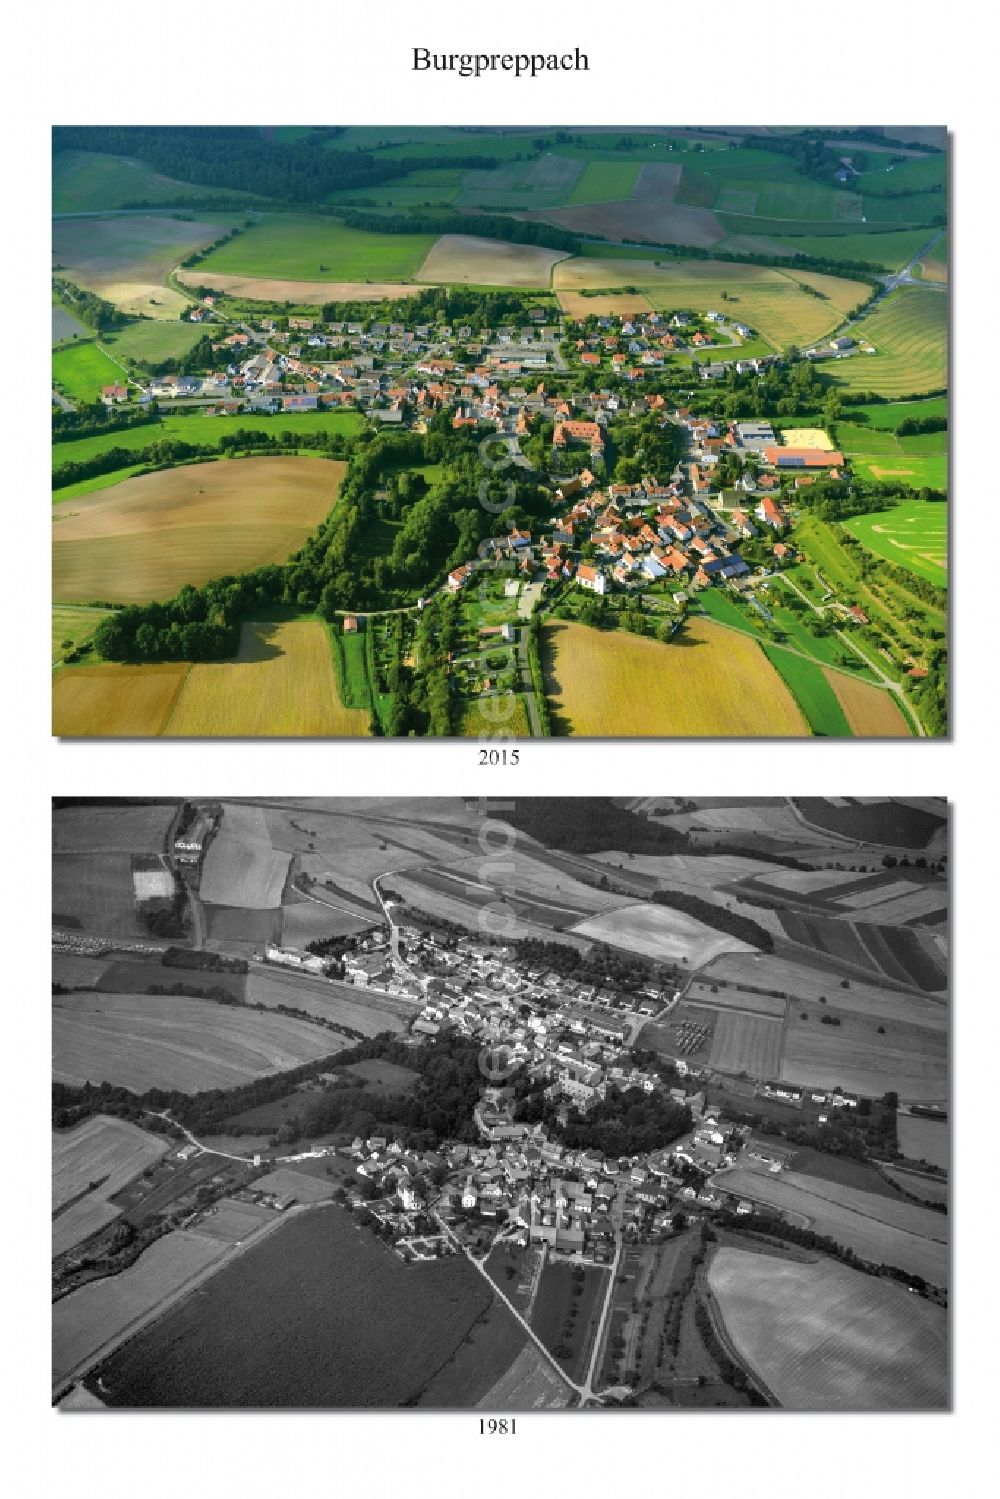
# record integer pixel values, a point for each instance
(636, 345)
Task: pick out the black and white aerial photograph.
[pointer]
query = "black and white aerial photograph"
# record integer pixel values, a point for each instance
(528, 1106)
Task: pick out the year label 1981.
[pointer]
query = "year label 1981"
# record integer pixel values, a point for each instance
(497, 1426)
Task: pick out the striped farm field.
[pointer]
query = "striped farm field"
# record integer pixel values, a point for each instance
(659, 932)
(744, 1042)
(910, 332)
(145, 538)
(143, 1041)
(843, 1341)
(882, 1230)
(709, 682)
(872, 712)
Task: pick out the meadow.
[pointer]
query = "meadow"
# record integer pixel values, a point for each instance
(880, 454)
(812, 691)
(89, 181)
(154, 339)
(147, 537)
(914, 535)
(909, 330)
(707, 682)
(81, 370)
(72, 626)
(306, 247)
(924, 1139)
(844, 1340)
(317, 1315)
(602, 181)
(143, 1041)
(196, 427)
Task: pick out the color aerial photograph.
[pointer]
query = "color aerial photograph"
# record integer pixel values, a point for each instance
(500, 432)
(563, 1104)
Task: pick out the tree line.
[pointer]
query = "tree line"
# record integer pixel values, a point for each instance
(483, 226)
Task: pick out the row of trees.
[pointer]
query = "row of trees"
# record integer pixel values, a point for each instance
(88, 307)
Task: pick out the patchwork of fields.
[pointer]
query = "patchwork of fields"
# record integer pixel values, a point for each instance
(89, 1165)
(771, 301)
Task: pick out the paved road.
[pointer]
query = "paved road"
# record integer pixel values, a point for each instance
(395, 942)
(588, 1392)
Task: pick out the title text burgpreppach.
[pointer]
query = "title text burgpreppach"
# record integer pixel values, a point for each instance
(521, 64)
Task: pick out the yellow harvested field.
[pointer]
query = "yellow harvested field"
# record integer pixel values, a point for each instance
(771, 301)
(116, 702)
(168, 1041)
(241, 868)
(488, 262)
(127, 260)
(608, 304)
(659, 932)
(311, 293)
(710, 682)
(84, 1322)
(871, 712)
(843, 1340)
(282, 684)
(145, 538)
(807, 437)
(745, 1042)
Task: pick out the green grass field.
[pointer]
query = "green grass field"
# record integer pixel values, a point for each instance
(154, 340)
(910, 331)
(84, 181)
(890, 413)
(877, 453)
(71, 626)
(812, 692)
(840, 241)
(305, 247)
(80, 371)
(913, 535)
(201, 429)
(605, 181)
(788, 626)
